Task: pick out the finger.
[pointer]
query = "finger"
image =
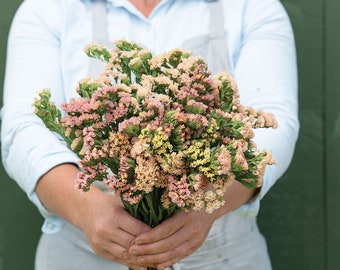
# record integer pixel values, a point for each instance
(168, 258)
(162, 231)
(123, 230)
(133, 225)
(127, 222)
(104, 235)
(182, 227)
(129, 264)
(114, 252)
(164, 245)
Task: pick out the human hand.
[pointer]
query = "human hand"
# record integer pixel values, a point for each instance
(110, 230)
(172, 240)
(116, 235)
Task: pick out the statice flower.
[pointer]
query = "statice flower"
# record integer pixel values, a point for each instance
(160, 131)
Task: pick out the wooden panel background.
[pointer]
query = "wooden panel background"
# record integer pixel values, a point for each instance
(299, 216)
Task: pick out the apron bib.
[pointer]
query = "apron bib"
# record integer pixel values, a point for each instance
(234, 242)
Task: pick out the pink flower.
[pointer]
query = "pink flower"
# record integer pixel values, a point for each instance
(133, 121)
(123, 165)
(186, 92)
(224, 159)
(89, 135)
(179, 191)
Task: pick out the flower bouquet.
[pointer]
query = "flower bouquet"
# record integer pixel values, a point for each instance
(160, 131)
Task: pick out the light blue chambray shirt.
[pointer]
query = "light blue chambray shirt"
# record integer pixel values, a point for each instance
(45, 50)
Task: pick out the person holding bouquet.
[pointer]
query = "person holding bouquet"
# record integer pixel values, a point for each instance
(251, 39)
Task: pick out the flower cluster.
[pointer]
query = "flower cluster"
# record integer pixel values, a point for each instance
(160, 131)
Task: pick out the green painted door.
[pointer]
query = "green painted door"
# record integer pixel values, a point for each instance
(299, 217)
(20, 222)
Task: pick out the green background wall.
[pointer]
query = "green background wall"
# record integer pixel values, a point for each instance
(299, 217)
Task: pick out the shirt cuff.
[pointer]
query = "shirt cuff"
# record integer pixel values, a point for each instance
(52, 223)
(252, 207)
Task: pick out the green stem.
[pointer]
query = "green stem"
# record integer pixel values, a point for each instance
(153, 215)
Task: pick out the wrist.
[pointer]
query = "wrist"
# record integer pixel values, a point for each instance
(57, 192)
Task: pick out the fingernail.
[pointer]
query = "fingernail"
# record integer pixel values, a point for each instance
(132, 243)
(141, 259)
(138, 241)
(133, 251)
(126, 255)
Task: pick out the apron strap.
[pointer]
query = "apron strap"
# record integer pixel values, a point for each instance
(218, 50)
(219, 47)
(99, 34)
(99, 21)
(216, 15)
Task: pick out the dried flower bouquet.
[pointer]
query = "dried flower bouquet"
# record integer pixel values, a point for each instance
(160, 131)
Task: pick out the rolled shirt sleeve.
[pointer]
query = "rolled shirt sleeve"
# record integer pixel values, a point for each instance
(29, 150)
(266, 73)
